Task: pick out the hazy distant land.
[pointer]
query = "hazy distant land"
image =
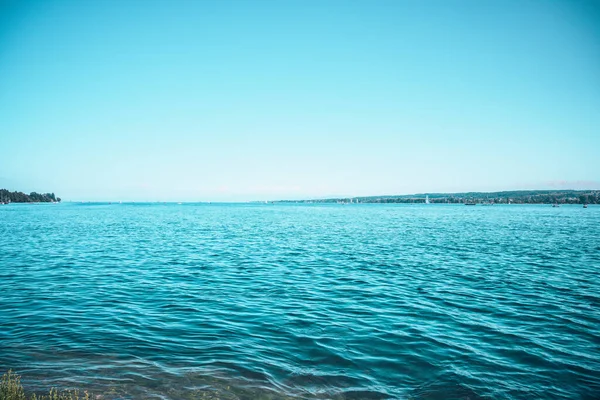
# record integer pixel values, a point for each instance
(507, 197)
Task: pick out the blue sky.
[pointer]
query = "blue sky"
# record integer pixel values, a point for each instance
(249, 100)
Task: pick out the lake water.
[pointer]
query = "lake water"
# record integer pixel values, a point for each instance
(314, 301)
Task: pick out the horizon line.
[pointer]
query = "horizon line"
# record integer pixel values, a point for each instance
(331, 197)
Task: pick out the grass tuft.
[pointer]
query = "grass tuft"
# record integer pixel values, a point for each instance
(11, 389)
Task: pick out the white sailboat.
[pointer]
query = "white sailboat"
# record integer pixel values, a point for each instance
(426, 199)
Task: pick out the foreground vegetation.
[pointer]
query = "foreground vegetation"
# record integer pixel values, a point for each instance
(11, 389)
(33, 197)
(510, 197)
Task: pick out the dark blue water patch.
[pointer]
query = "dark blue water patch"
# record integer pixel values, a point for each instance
(276, 301)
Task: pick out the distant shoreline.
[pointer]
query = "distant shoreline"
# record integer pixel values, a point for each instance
(504, 197)
(7, 197)
(487, 198)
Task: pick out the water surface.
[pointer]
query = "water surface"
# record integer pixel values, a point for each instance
(311, 301)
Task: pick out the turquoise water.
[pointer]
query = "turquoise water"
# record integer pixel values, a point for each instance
(315, 301)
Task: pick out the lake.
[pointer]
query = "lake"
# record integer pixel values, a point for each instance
(358, 301)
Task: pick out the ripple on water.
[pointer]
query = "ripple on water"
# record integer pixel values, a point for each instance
(309, 301)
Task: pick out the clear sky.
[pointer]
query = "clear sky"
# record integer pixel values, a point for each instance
(249, 100)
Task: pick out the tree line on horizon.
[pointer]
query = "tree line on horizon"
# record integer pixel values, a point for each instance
(512, 197)
(7, 196)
